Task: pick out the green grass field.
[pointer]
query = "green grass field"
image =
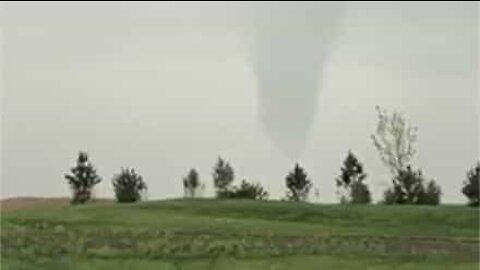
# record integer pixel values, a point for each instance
(237, 234)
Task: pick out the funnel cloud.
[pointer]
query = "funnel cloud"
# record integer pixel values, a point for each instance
(291, 44)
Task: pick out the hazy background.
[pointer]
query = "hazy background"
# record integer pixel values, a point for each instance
(164, 87)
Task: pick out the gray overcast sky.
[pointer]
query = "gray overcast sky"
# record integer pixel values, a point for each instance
(166, 86)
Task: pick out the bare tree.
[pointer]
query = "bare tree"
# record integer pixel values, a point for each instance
(394, 139)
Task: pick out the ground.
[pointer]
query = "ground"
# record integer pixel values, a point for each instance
(237, 234)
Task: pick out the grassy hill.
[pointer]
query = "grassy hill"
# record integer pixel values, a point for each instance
(237, 234)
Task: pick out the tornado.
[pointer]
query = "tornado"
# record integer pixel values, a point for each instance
(291, 42)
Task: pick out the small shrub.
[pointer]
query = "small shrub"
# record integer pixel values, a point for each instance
(359, 193)
(431, 195)
(128, 186)
(409, 188)
(246, 190)
(252, 191)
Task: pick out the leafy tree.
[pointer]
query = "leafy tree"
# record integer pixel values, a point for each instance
(191, 183)
(298, 184)
(470, 186)
(82, 179)
(351, 181)
(409, 188)
(128, 186)
(253, 191)
(223, 176)
(394, 139)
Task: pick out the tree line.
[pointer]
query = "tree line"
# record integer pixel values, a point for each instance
(394, 140)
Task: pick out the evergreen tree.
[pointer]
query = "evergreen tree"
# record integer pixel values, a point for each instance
(82, 178)
(128, 186)
(471, 188)
(351, 183)
(298, 184)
